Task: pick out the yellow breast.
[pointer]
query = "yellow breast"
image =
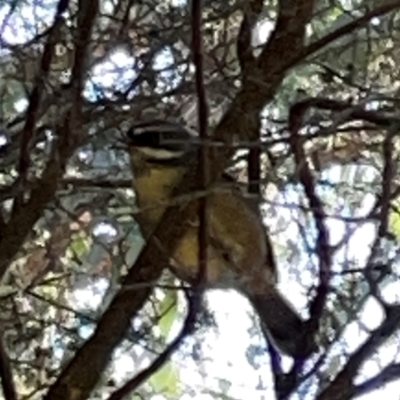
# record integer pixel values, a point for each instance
(153, 188)
(234, 230)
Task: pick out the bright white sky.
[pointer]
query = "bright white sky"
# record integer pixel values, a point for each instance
(225, 350)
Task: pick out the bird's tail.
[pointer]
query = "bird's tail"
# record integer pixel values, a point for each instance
(281, 324)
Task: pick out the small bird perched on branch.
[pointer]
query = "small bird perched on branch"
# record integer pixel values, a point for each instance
(240, 255)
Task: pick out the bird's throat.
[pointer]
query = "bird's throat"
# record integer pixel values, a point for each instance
(153, 187)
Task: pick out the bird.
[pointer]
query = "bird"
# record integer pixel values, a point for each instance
(240, 255)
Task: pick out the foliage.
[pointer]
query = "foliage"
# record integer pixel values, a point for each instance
(321, 80)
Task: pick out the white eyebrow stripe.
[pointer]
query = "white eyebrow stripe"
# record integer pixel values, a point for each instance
(160, 154)
(163, 129)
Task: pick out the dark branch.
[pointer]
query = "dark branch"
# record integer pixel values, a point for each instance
(288, 38)
(36, 94)
(342, 387)
(388, 374)
(346, 30)
(7, 380)
(323, 250)
(387, 179)
(68, 131)
(139, 379)
(203, 164)
(247, 60)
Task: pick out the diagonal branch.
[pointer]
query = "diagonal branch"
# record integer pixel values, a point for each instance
(323, 250)
(82, 373)
(36, 94)
(23, 218)
(285, 44)
(342, 387)
(21, 222)
(288, 37)
(287, 383)
(187, 329)
(388, 374)
(247, 60)
(285, 50)
(347, 29)
(295, 122)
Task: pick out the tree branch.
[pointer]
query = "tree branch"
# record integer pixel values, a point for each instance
(203, 162)
(247, 60)
(388, 374)
(35, 96)
(187, 329)
(323, 250)
(388, 173)
(7, 380)
(342, 387)
(345, 30)
(25, 215)
(22, 221)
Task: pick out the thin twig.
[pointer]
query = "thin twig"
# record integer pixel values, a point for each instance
(323, 250)
(387, 179)
(342, 386)
(245, 50)
(6, 376)
(35, 97)
(346, 30)
(203, 165)
(139, 379)
(388, 374)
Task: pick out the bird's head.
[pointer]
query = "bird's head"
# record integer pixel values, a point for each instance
(161, 142)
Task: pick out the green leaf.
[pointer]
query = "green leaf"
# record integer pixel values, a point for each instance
(80, 245)
(168, 308)
(166, 381)
(394, 219)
